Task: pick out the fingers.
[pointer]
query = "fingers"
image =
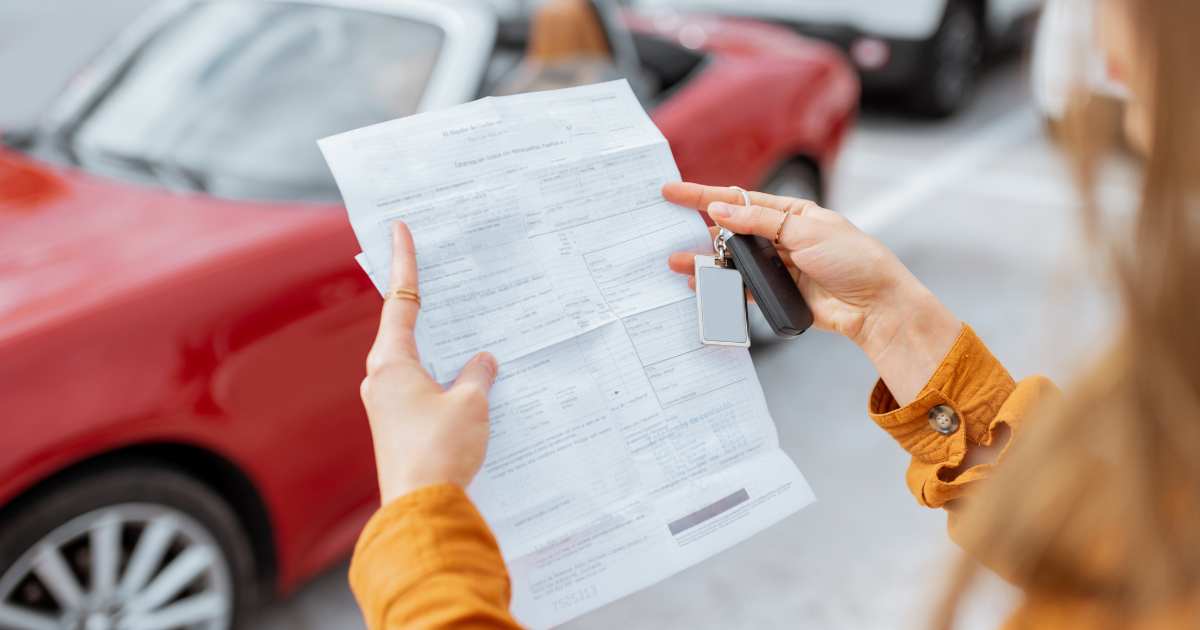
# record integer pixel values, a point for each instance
(399, 315)
(764, 221)
(477, 376)
(682, 262)
(700, 197)
(726, 206)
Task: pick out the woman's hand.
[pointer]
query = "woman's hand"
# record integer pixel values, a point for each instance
(854, 285)
(423, 434)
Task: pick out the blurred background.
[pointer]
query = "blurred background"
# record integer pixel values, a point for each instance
(182, 326)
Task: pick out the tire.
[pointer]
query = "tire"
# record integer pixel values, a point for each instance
(951, 59)
(100, 551)
(795, 179)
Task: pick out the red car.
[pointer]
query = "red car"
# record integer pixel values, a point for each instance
(182, 323)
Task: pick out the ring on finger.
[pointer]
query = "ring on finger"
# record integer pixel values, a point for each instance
(787, 214)
(783, 222)
(406, 294)
(745, 195)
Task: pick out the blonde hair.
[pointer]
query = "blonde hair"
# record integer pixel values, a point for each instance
(1099, 498)
(566, 30)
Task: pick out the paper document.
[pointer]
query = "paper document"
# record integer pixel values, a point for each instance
(622, 450)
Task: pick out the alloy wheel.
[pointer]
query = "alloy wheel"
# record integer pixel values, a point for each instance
(133, 566)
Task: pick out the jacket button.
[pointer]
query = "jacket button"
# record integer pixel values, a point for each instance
(943, 419)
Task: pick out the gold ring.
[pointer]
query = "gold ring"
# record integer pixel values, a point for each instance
(406, 294)
(779, 233)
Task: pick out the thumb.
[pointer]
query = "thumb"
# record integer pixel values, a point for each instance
(477, 375)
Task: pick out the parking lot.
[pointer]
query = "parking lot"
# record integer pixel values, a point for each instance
(980, 206)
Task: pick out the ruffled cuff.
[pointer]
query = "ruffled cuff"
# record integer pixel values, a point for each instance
(970, 384)
(432, 531)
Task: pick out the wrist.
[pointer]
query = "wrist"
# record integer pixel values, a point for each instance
(906, 336)
(395, 489)
(402, 481)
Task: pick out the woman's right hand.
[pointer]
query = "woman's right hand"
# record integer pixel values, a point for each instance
(854, 285)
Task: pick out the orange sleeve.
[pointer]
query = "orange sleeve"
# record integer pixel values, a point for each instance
(976, 386)
(428, 560)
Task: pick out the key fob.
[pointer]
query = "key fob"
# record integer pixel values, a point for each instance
(771, 284)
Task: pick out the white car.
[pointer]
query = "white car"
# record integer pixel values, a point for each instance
(1067, 57)
(927, 50)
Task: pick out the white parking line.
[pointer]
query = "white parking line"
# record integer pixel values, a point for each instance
(894, 203)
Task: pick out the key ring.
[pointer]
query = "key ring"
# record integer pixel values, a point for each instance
(745, 195)
(721, 247)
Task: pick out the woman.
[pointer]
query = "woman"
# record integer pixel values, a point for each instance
(1092, 504)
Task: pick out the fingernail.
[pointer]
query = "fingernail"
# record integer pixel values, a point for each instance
(487, 360)
(721, 210)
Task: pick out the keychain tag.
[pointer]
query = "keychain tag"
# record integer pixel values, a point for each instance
(721, 299)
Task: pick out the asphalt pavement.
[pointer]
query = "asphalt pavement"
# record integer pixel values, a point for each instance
(979, 206)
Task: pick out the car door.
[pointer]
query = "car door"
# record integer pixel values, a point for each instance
(295, 359)
(224, 102)
(285, 353)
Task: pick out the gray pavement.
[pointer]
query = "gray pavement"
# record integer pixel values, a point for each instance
(980, 207)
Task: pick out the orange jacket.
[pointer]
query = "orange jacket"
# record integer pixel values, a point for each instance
(428, 560)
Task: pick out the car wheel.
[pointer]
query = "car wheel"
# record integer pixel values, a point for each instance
(952, 59)
(794, 179)
(133, 548)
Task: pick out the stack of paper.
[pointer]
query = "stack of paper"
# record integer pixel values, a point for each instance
(622, 450)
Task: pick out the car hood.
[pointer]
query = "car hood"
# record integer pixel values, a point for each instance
(70, 241)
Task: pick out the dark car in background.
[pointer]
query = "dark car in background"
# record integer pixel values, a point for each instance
(925, 52)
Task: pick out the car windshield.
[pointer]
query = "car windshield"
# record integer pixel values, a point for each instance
(230, 97)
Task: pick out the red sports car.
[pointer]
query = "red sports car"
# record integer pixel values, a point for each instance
(182, 323)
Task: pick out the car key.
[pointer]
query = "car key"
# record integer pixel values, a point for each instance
(771, 284)
(769, 280)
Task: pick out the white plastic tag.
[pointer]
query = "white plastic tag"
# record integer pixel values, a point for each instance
(721, 303)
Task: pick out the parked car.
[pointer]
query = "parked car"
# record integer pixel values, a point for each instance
(182, 323)
(927, 51)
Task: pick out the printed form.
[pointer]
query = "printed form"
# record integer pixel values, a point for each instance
(622, 450)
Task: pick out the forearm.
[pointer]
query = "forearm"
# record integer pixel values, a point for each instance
(428, 560)
(907, 336)
(908, 339)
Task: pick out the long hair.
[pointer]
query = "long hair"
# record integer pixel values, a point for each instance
(1098, 501)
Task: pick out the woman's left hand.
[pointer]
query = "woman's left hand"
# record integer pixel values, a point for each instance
(854, 285)
(424, 434)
